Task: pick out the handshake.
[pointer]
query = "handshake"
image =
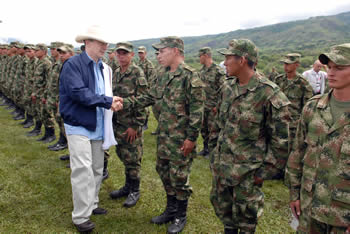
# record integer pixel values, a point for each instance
(117, 104)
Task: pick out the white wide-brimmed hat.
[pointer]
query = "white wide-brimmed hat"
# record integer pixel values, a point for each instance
(94, 32)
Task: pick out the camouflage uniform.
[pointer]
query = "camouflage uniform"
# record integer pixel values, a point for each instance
(213, 78)
(298, 91)
(130, 83)
(180, 98)
(318, 167)
(40, 78)
(29, 84)
(251, 131)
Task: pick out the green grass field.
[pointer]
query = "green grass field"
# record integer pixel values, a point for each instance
(35, 191)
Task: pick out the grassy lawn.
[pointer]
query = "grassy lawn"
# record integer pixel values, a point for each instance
(35, 191)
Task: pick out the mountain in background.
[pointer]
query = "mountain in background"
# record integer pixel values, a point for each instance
(308, 37)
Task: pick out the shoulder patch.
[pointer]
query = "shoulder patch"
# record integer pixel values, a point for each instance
(279, 100)
(196, 81)
(187, 67)
(318, 96)
(268, 82)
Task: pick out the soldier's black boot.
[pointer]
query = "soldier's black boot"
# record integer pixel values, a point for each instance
(145, 125)
(25, 121)
(229, 230)
(15, 112)
(50, 135)
(180, 218)
(134, 194)
(20, 116)
(37, 129)
(169, 213)
(61, 144)
(123, 191)
(105, 174)
(30, 122)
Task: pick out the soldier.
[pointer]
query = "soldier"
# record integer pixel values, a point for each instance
(129, 81)
(251, 129)
(148, 70)
(52, 91)
(112, 60)
(41, 74)
(212, 76)
(298, 91)
(318, 167)
(179, 92)
(153, 81)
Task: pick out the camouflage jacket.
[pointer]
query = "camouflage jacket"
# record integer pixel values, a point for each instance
(318, 168)
(147, 68)
(179, 95)
(251, 128)
(29, 80)
(298, 91)
(20, 72)
(212, 77)
(41, 74)
(52, 87)
(131, 83)
(114, 64)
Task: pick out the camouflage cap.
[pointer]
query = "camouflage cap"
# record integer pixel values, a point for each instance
(65, 48)
(110, 50)
(172, 42)
(291, 58)
(29, 46)
(56, 44)
(156, 52)
(241, 47)
(204, 50)
(19, 45)
(339, 54)
(141, 49)
(41, 46)
(70, 46)
(127, 46)
(13, 44)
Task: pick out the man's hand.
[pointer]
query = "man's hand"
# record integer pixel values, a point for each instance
(56, 104)
(295, 207)
(348, 230)
(117, 103)
(130, 135)
(187, 147)
(43, 100)
(214, 110)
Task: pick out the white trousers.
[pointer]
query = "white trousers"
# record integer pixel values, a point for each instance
(86, 162)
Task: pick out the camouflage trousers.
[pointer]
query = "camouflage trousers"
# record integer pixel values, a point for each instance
(30, 108)
(174, 175)
(303, 223)
(316, 227)
(207, 125)
(129, 154)
(239, 206)
(56, 114)
(44, 114)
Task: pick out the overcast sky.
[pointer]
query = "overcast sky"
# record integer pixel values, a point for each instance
(39, 21)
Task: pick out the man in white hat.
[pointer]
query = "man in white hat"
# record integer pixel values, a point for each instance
(84, 85)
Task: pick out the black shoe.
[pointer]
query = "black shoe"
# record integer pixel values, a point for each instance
(64, 157)
(178, 225)
(105, 174)
(123, 191)
(99, 211)
(49, 139)
(29, 124)
(53, 145)
(19, 117)
(34, 133)
(132, 199)
(231, 231)
(204, 152)
(88, 226)
(180, 218)
(169, 213)
(59, 147)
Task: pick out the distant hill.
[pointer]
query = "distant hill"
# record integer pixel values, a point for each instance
(307, 37)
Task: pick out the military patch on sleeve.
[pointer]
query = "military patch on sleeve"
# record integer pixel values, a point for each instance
(279, 100)
(196, 81)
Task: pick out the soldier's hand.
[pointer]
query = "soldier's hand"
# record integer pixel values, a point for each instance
(33, 99)
(214, 110)
(130, 135)
(56, 104)
(117, 103)
(348, 230)
(43, 100)
(187, 147)
(295, 207)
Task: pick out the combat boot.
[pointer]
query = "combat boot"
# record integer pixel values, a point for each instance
(105, 174)
(20, 116)
(134, 194)
(169, 213)
(145, 125)
(123, 191)
(180, 218)
(30, 122)
(229, 230)
(25, 121)
(61, 144)
(50, 135)
(205, 150)
(45, 135)
(37, 129)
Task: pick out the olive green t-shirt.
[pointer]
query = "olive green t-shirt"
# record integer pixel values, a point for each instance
(338, 108)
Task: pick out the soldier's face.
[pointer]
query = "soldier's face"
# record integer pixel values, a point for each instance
(124, 57)
(338, 76)
(111, 55)
(166, 56)
(290, 68)
(142, 55)
(54, 52)
(232, 65)
(202, 59)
